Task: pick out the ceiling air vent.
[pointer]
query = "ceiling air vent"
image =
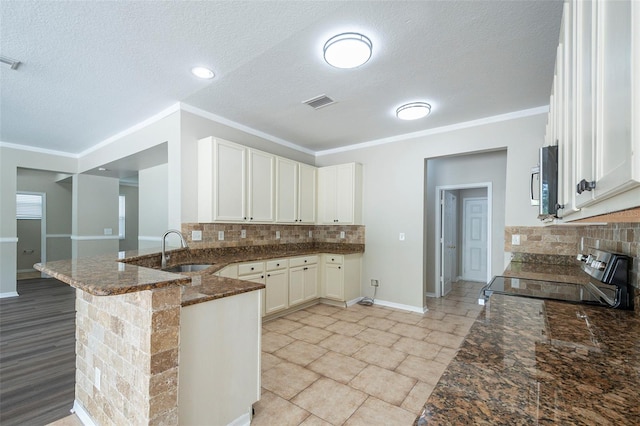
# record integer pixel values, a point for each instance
(319, 101)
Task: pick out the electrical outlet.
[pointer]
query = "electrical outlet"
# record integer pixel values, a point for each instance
(243, 233)
(401, 237)
(310, 234)
(196, 235)
(108, 231)
(375, 283)
(220, 235)
(342, 235)
(515, 239)
(96, 379)
(277, 235)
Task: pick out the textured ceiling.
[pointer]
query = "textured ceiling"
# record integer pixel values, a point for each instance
(93, 69)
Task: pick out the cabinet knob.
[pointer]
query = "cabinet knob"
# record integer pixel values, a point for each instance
(252, 268)
(305, 268)
(245, 218)
(250, 218)
(277, 264)
(339, 267)
(332, 259)
(261, 276)
(268, 275)
(305, 261)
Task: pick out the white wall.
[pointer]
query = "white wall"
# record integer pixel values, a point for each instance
(394, 194)
(153, 207)
(130, 241)
(95, 208)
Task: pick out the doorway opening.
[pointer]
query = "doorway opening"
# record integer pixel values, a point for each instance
(463, 243)
(31, 208)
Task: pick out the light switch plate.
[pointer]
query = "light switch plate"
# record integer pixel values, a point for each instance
(515, 239)
(342, 235)
(243, 233)
(220, 235)
(310, 234)
(277, 235)
(196, 235)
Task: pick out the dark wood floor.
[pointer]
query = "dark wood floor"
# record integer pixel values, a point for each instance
(37, 353)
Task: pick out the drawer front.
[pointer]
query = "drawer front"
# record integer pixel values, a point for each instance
(250, 268)
(334, 259)
(274, 265)
(301, 261)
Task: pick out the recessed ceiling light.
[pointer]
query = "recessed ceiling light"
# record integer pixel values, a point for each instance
(347, 50)
(202, 72)
(413, 111)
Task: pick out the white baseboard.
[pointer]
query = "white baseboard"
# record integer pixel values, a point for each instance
(354, 301)
(431, 295)
(9, 294)
(243, 420)
(82, 414)
(401, 306)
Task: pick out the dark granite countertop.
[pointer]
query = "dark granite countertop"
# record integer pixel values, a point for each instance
(139, 270)
(529, 361)
(547, 272)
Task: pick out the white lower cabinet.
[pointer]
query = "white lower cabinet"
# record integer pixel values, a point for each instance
(341, 276)
(303, 279)
(276, 296)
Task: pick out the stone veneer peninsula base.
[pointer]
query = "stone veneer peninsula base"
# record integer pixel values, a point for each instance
(127, 356)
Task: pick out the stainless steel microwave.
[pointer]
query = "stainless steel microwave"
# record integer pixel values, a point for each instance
(545, 193)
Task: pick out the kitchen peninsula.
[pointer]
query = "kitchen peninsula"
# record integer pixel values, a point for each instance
(130, 331)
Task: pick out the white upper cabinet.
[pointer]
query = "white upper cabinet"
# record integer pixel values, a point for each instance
(261, 188)
(295, 192)
(235, 183)
(307, 177)
(340, 194)
(595, 107)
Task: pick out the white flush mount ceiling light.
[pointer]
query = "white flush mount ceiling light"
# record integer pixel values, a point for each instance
(413, 111)
(202, 72)
(347, 50)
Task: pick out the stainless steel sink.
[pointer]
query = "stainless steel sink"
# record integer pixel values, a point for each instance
(189, 267)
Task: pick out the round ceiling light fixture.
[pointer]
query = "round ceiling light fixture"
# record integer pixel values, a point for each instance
(202, 72)
(347, 50)
(413, 111)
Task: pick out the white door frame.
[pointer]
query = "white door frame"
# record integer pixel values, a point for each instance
(438, 261)
(43, 226)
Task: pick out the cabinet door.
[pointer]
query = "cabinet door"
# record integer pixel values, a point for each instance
(229, 181)
(614, 145)
(257, 278)
(306, 193)
(334, 282)
(286, 191)
(276, 291)
(585, 103)
(310, 282)
(327, 195)
(296, 285)
(261, 186)
(344, 193)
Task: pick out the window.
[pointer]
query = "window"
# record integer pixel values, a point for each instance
(28, 206)
(121, 216)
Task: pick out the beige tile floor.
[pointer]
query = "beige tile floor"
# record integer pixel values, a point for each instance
(363, 365)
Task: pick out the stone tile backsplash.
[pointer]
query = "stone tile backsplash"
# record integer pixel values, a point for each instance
(267, 234)
(568, 241)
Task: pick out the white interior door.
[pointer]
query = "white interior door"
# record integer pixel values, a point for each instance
(448, 242)
(474, 253)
